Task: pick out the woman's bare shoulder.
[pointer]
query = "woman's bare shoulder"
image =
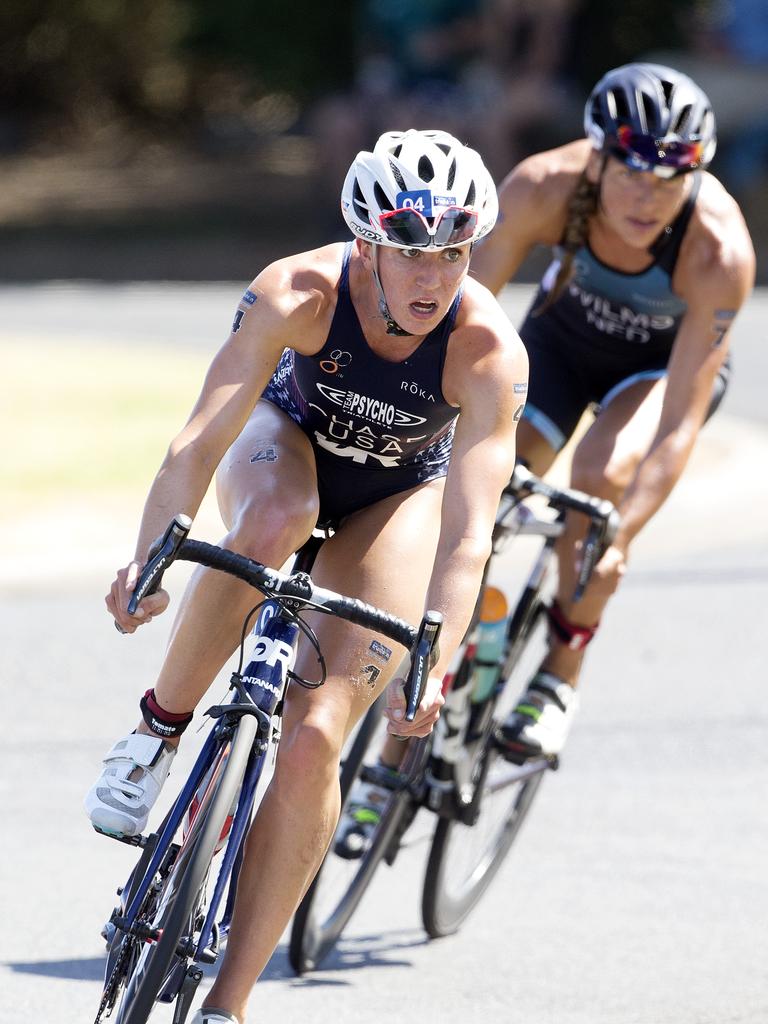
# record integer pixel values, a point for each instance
(718, 241)
(306, 278)
(539, 187)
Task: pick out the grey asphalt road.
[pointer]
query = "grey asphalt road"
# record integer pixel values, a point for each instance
(636, 893)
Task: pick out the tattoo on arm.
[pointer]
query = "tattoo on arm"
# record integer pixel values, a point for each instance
(247, 300)
(723, 320)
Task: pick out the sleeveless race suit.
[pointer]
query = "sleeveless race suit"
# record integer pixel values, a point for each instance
(377, 427)
(605, 331)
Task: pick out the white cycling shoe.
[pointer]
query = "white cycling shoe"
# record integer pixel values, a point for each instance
(539, 724)
(209, 1015)
(134, 772)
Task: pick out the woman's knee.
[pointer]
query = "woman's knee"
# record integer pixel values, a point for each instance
(604, 473)
(264, 528)
(310, 752)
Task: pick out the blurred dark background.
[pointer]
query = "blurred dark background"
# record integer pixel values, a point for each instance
(187, 139)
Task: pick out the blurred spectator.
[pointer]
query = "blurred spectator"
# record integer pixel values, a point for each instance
(413, 61)
(534, 103)
(729, 60)
(490, 72)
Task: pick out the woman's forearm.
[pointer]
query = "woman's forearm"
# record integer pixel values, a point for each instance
(654, 480)
(179, 486)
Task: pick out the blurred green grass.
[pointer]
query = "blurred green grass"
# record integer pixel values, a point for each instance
(87, 420)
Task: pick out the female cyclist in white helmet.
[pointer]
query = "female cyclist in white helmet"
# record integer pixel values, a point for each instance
(371, 386)
(652, 261)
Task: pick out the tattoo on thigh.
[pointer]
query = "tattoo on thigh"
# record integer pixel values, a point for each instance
(264, 451)
(370, 674)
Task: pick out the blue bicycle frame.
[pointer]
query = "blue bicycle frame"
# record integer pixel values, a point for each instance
(264, 679)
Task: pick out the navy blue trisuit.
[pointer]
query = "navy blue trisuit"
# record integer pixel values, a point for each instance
(605, 331)
(377, 427)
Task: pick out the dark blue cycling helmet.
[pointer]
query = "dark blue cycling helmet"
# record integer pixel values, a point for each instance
(653, 118)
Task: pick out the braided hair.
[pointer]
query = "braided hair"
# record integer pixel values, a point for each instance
(582, 205)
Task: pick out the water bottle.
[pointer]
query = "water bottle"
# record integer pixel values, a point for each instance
(491, 634)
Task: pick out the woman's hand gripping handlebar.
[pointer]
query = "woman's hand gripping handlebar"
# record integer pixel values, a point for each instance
(419, 697)
(422, 643)
(144, 582)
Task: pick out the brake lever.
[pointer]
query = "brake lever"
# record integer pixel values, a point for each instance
(162, 552)
(599, 538)
(426, 652)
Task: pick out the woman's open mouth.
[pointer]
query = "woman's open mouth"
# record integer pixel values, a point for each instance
(423, 308)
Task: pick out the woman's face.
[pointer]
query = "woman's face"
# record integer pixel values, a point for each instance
(638, 205)
(420, 286)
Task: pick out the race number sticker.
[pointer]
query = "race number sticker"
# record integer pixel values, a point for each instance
(380, 650)
(420, 200)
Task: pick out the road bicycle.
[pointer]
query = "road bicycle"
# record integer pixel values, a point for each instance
(168, 923)
(458, 773)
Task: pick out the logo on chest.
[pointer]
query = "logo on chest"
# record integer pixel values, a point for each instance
(374, 410)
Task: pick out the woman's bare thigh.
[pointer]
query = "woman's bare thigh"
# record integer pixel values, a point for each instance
(271, 460)
(383, 555)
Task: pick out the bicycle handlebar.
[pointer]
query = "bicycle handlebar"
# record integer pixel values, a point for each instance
(603, 516)
(422, 643)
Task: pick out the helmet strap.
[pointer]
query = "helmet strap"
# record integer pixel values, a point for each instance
(392, 326)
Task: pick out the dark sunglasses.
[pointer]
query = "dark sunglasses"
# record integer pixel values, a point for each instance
(410, 228)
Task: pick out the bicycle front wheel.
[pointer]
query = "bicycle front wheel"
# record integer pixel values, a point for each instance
(179, 901)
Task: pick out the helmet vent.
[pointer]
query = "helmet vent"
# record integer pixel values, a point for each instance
(620, 110)
(470, 200)
(445, 148)
(358, 201)
(451, 173)
(426, 169)
(396, 152)
(681, 123)
(648, 111)
(398, 176)
(381, 197)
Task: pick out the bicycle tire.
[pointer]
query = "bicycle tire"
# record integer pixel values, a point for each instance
(179, 894)
(450, 893)
(447, 903)
(314, 934)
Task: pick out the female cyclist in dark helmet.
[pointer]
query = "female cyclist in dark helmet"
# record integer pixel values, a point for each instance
(652, 261)
(371, 385)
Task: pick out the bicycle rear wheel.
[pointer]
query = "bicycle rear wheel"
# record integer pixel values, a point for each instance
(464, 858)
(340, 883)
(177, 905)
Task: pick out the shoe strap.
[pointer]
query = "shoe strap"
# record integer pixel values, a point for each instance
(143, 751)
(553, 688)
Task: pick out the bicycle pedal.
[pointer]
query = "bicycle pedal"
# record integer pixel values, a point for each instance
(140, 841)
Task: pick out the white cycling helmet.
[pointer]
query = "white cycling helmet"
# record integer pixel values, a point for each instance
(419, 190)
